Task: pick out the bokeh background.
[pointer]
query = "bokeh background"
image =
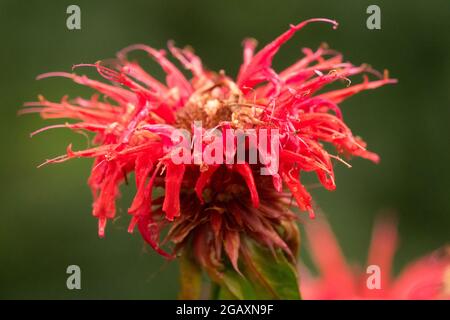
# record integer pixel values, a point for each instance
(45, 220)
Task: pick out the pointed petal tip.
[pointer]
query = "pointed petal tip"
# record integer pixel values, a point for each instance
(132, 224)
(101, 227)
(312, 214)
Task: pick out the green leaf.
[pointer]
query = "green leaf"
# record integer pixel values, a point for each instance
(235, 286)
(270, 273)
(266, 275)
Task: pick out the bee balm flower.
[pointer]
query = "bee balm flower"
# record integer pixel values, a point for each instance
(213, 208)
(425, 278)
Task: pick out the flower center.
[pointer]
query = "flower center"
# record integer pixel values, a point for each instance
(218, 102)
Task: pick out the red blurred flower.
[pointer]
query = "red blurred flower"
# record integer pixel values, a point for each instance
(212, 206)
(425, 278)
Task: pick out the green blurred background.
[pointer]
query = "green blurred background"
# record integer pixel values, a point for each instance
(45, 220)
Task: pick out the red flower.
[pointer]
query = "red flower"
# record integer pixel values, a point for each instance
(425, 278)
(212, 206)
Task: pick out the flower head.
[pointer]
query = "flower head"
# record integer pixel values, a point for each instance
(425, 278)
(212, 206)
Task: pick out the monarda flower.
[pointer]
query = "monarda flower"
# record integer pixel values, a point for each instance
(218, 217)
(426, 278)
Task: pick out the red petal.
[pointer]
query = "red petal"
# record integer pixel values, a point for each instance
(174, 177)
(147, 229)
(203, 180)
(302, 197)
(246, 172)
(255, 71)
